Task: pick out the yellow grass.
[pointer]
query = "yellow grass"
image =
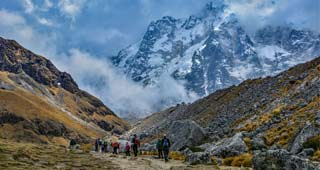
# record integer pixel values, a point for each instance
(239, 161)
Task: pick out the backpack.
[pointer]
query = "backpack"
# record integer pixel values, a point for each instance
(165, 143)
(137, 142)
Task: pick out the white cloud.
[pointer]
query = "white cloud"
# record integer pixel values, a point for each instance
(45, 21)
(10, 19)
(14, 26)
(71, 8)
(123, 95)
(255, 14)
(28, 6)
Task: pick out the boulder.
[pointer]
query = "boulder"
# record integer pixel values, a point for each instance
(308, 131)
(185, 133)
(148, 147)
(258, 144)
(229, 147)
(281, 160)
(198, 158)
(306, 152)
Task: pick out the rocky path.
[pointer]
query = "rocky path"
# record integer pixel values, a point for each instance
(150, 163)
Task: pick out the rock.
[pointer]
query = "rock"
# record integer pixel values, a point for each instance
(281, 160)
(6, 86)
(105, 125)
(258, 144)
(198, 158)
(50, 127)
(306, 152)
(116, 130)
(7, 117)
(229, 147)
(185, 133)
(148, 147)
(308, 131)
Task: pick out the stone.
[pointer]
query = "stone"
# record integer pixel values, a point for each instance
(148, 147)
(185, 133)
(258, 144)
(6, 86)
(306, 152)
(198, 158)
(229, 147)
(281, 160)
(308, 131)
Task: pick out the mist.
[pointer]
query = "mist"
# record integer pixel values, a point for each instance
(122, 95)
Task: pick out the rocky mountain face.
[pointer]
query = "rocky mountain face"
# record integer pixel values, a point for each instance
(272, 121)
(211, 50)
(39, 102)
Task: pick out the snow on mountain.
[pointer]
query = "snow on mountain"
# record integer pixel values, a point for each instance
(211, 50)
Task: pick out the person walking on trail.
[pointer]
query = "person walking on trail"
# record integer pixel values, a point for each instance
(159, 148)
(96, 145)
(105, 146)
(127, 149)
(166, 146)
(115, 146)
(136, 143)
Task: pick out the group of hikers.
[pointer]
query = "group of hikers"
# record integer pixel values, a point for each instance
(102, 146)
(163, 146)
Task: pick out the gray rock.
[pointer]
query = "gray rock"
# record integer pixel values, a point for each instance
(148, 147)
(198, 158)
(185, 133)
(281, 160)
(229, 147)
(6, 86)
(306, 152)
(308, 131)
(258, 144)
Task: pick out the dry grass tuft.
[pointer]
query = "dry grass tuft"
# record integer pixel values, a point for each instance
(243, 160)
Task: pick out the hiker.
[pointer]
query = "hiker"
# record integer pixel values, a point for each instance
(115, 146)
(166, 146)
(96, 145)
(135, 144)
(72, 144)
(105, 146)
(100, 145)
(127, 149)
(159, 147)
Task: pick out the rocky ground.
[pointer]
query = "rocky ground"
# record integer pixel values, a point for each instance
(26, 156)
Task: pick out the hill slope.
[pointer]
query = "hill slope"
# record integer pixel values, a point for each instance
(271, 113)
(40, 104)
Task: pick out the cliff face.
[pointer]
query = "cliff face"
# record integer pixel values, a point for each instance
(37, 97)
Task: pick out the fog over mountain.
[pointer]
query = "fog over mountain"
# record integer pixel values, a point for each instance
(205, 46)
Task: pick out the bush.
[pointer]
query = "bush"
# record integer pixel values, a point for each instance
(316, 155)
(312, 142)
(176, 156)
(241, 160)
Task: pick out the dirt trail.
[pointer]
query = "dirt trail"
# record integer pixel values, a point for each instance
(150, 163)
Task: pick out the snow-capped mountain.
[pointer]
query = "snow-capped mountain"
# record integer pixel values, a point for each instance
(211, 50)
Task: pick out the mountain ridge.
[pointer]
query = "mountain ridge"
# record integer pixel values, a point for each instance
(212, 50)
(39, 101)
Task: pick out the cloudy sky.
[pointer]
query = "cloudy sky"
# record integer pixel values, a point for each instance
(79, 35)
